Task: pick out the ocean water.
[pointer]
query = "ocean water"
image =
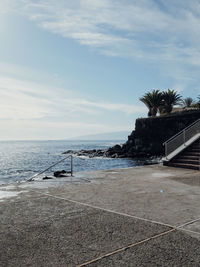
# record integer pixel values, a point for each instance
(19, 160)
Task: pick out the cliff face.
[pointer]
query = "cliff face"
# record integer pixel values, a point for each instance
(151, 133)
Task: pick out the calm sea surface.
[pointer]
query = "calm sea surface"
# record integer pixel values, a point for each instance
(20, 160)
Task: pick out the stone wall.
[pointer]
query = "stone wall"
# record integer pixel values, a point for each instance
(151, 133)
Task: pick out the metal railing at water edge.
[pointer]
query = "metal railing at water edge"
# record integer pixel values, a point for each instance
(182, 137)
(43, 171)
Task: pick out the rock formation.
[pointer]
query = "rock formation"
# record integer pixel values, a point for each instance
(148, 137)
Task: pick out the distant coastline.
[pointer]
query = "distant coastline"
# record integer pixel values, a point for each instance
(120, 135)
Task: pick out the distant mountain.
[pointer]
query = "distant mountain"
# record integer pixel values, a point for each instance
(122, 135)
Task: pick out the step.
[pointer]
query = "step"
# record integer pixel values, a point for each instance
(185, 157)
(181, 165)
(192, 156)
(194, 151)
(188, 153)
(196, 158)
(188, 158)
(196, 145)
(188, 161)
(196, 142)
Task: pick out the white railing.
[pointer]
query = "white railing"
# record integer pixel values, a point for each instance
(43, 171)
(182, 138)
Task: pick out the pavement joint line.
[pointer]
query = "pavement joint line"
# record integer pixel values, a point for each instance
(132, 245)
(125, 248)
(121, 213)
(124, 214)
(187, 230)
(128, 215)
(108, 210)
(188, 223)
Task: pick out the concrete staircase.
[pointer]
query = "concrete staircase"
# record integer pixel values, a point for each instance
(188, 158)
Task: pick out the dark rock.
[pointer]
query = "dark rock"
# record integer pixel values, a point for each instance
(47, 178)
(113, 151)
(99, 154)
(88, 153)
(115, 155)
(60, 173)
(68, 152)
(122, 156)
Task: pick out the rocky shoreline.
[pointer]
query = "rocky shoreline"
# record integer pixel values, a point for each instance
(117, 151)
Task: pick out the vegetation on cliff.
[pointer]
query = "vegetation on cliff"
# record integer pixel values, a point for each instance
(163, 102)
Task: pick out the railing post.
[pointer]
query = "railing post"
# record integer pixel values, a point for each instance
(199, 157)
(166, 150)
(184, 136)
(71, 165)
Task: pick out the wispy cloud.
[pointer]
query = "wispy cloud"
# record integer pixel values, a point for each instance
(166, 33)
(140, 29)
(23, 99)
(33, 110)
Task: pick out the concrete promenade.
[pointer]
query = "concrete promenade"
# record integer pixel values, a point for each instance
(142, 216)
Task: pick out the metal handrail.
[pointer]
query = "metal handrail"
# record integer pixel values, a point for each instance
(182, 137)
(181, 131)
(71, 169)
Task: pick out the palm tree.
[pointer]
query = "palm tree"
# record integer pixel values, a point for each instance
(147, 102)
(188, 102)
(169, 99)
(198, 102)
(152, 100)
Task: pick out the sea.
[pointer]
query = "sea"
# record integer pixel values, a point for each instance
(20, 160)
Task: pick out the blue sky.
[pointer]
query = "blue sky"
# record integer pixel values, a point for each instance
(74, 68)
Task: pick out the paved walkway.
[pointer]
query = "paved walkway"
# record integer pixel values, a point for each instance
(143, 216)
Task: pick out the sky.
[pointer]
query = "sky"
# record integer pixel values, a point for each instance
(73, 68)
